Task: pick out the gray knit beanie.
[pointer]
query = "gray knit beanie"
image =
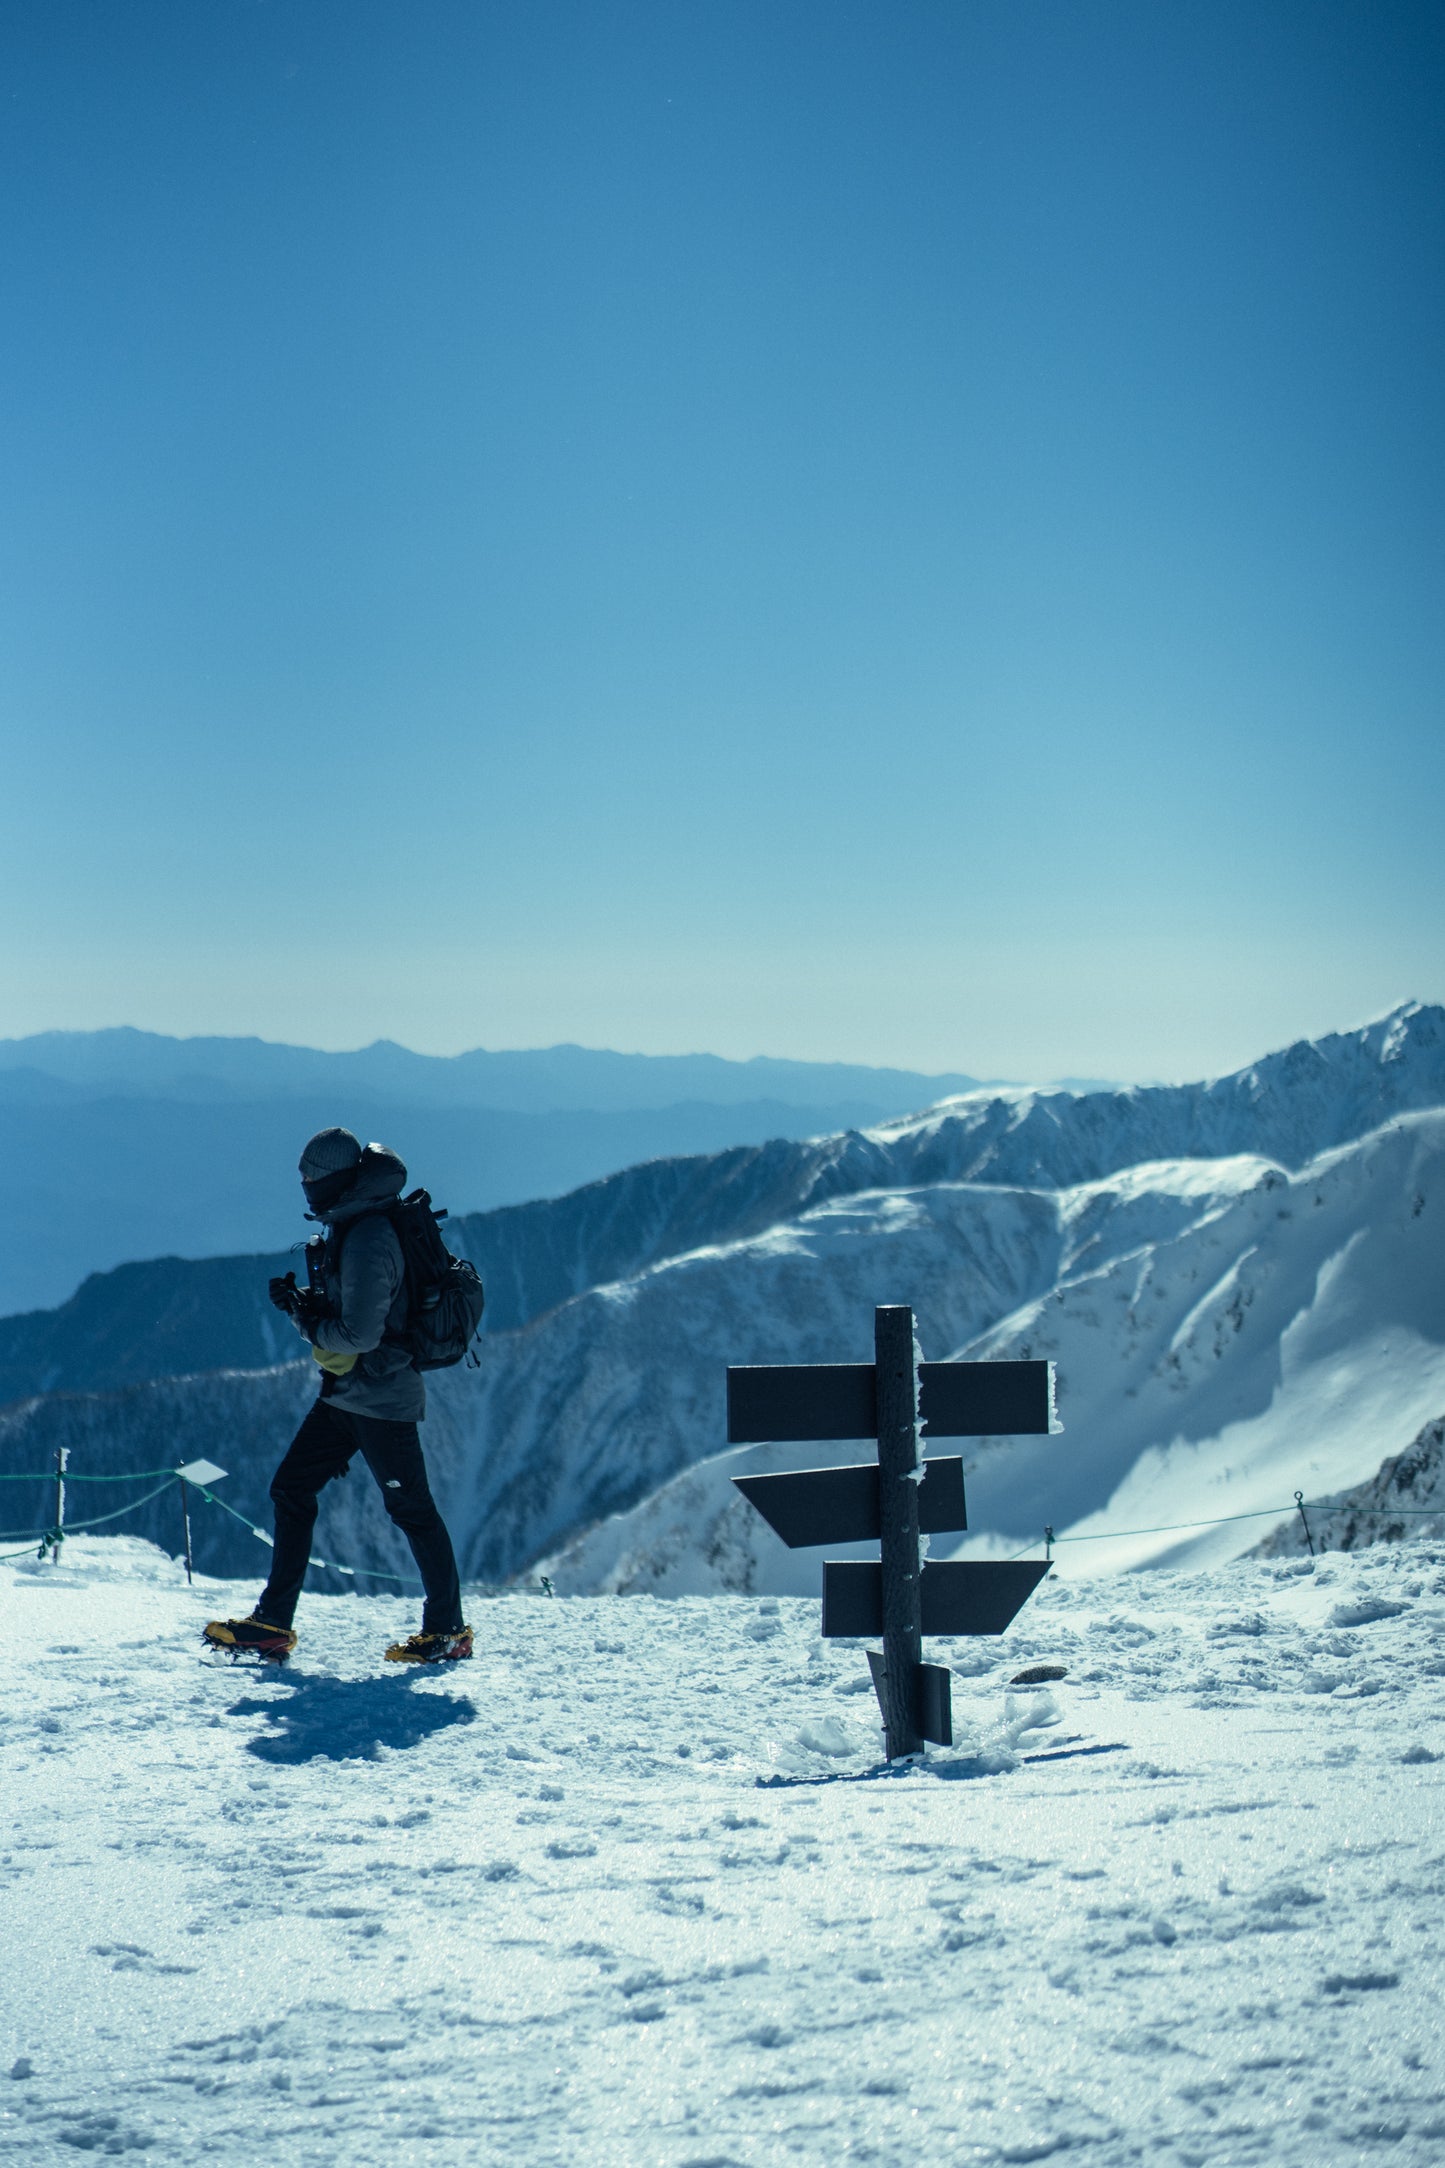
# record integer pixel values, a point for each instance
(330, 1151)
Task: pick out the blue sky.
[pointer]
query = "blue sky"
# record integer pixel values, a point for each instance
(906, 533)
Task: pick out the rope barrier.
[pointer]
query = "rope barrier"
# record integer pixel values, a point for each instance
(137, 1475)
(370, 1573)
(8, 1535)
(1222, 1520)
(55, 1535)
(1174, 1528)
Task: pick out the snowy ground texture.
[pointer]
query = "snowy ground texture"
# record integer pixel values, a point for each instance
(633, 1889)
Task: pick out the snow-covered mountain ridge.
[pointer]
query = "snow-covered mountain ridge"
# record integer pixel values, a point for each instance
(1226, 1332)
(1287, 1108)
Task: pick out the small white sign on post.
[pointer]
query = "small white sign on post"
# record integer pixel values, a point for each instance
(201, 1471)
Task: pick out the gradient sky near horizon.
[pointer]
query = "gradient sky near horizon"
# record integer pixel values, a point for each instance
(902, 532)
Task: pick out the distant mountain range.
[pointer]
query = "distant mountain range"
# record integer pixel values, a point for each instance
(547, 1080)
(123, 1145)
(1242, 1281)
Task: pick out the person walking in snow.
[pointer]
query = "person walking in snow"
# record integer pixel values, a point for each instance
(371, 1401)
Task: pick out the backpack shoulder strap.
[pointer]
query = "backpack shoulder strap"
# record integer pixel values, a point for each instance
(382, 1211)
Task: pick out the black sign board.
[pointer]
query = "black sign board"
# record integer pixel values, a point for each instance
(895, 1499)
(780, 1402)
(841, 1505)
(932, 1697)
(958, 1595)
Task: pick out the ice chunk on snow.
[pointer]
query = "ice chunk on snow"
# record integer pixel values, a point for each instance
(826, 1735)
(1365, 1610)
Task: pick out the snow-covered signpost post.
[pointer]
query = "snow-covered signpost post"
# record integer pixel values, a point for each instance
(57, 1533)
(900, 1550)
(896, 1501)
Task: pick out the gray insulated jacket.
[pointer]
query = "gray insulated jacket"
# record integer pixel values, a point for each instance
(366, 1287)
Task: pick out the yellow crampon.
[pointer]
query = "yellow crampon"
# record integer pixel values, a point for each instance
(250, 1637)
(432, 1648)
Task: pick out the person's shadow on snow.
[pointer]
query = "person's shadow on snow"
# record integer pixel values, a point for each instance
(348, 1719)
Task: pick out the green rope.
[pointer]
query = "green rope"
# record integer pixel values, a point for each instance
(1174, 1528)
(52, 1535)
(138, 1475)
(168, 1476)
(8, 1535)
(47, 1536)
(370, 1573)
(1262, 1513)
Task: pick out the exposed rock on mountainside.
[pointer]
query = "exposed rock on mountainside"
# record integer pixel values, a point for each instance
(1403, 1499)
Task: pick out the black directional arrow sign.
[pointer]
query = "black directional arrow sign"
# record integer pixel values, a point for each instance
(841, 1505)
(802, 1401)
(894, 1499)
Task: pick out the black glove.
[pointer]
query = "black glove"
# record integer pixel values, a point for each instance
(285, 1294)
(311, 1307)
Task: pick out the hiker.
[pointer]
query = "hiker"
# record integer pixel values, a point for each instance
(372, 1398)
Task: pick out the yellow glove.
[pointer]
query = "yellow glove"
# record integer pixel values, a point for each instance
(336, 1365)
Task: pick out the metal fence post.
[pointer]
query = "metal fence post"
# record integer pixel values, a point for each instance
(1299, 1499)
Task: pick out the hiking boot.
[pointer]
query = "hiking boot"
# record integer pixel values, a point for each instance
(453, 1648)
(237, 1637)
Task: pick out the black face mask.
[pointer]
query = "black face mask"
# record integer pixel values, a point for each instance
(329, 1189)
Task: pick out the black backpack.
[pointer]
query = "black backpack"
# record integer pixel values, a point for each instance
(444, 1293)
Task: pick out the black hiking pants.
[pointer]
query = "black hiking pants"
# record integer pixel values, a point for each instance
(322, 1448)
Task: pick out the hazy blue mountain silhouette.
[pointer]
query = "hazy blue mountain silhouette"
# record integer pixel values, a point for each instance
(125, 1144)
(125, 1063)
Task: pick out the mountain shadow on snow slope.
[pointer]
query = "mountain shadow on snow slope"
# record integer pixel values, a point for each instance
(1287, 1108)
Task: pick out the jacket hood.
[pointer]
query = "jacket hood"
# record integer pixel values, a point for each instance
(380, 1179)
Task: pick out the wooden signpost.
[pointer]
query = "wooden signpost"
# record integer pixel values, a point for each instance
(897, 1500)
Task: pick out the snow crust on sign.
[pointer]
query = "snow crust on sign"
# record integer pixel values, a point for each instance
(633, 1889)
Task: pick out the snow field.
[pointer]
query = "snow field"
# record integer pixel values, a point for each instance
(631, 1888)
